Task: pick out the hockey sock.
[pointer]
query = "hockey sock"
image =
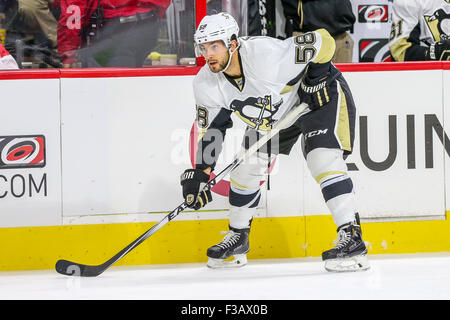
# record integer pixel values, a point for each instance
(328, 168)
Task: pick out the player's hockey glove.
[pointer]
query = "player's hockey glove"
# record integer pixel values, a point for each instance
(193, 181)
(439, 50)
(315, 86)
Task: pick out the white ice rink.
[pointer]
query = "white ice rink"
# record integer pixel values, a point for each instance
(405, 277)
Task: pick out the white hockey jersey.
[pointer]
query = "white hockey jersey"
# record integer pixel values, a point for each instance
(271, 70)
(416, 24)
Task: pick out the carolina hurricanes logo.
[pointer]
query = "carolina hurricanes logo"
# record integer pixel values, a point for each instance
(439, 24)
(374, 50)
(22, 151)
(373, 13)
(256, 112)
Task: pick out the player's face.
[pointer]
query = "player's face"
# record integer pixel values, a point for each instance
(216, 55)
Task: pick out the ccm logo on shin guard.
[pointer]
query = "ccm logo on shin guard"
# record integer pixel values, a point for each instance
(315, 133)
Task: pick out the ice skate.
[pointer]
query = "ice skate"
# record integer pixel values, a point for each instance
(350, 252)
(235, 245)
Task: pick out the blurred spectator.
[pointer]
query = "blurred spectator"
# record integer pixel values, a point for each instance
(6, 60)
(2, 29)
(237, 8)
(254, 17)
(3, 7)
(420, 30)
(37, 14)
(22, 35)
(108, 33)
(261, 18)
(336, 16)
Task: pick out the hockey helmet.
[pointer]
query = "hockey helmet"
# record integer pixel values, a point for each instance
(220, 26)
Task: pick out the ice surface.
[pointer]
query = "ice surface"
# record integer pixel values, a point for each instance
(407, 276)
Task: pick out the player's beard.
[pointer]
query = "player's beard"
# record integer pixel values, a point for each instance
(220, 65)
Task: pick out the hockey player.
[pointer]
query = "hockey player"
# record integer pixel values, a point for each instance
(420, 30)
(260, 79)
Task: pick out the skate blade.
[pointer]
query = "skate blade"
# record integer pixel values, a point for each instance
(353, 264)
(239, 260)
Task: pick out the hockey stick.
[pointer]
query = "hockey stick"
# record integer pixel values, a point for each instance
(72, 268)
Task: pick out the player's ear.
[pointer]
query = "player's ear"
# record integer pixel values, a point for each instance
(234, 42)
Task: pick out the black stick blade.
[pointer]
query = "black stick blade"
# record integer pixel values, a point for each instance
(69, 268)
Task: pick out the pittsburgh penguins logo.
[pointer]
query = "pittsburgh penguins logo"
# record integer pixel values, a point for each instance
(439, 24)
(256, 112)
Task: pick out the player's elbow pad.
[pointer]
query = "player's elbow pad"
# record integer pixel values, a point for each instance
(327, 49)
